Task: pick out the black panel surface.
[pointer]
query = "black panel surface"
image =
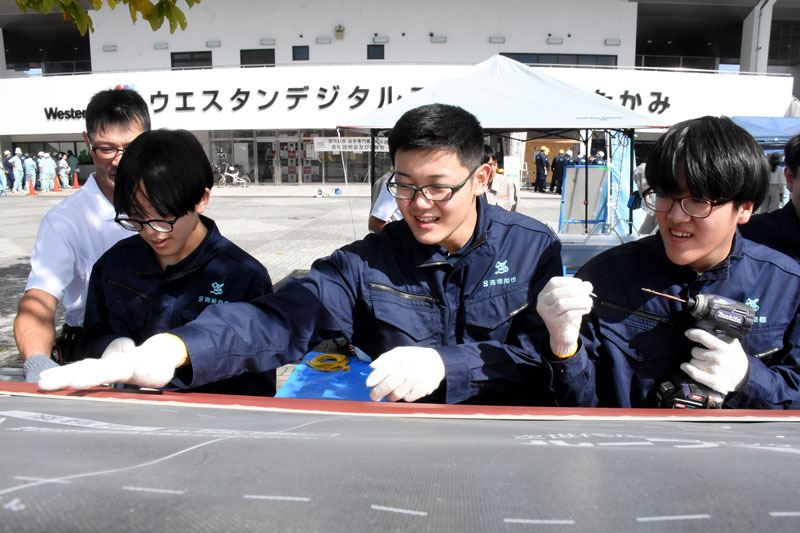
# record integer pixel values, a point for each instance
(71, 465)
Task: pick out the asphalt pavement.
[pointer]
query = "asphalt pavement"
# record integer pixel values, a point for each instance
(284, 227)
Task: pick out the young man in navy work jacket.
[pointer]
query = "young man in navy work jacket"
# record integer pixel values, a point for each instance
(440, 299)
(175, 264)
(780, 229)
(706, 176)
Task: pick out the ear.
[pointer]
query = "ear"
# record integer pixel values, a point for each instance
(203, 203)
(745, 210)
(481, 179)
(789, 178)
(86, 140)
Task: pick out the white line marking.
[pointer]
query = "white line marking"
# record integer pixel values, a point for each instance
(538, 521)
(640, 443)
(673, 517)
(42, 479)
(397, 510)
(71, 421)
(157, 491)
(280, 498)
(781, 514)
(113, 470)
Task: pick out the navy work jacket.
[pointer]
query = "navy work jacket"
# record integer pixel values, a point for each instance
(389, 290)
(779, 229)
(542, 164)
(625, 356)
(130, 295)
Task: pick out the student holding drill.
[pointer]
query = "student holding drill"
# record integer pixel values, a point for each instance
(706, 177)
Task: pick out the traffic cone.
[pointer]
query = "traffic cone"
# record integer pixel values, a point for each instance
(31, 192)
(75, 184)
(56, 187)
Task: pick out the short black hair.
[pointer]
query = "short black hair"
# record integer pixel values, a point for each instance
(791, 154)
(488, 153)
(721, 161)
(439, 127)
(171, 167)
(116, 107)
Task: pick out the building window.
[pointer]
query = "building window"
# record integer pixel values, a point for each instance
(563, 59)
(259, 57)
(191, 59)
(374, 51)
(300, 53)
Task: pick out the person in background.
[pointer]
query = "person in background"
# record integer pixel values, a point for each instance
(501, 190)
(8, 170)
(542, 168)
(775, 193)
(780, 229)
(559, 169)
(177, 265)
(439, 300)
(705, 175)
(384, 207)
(73, 234)
(63, 171)
(30, 167)
(18, 172)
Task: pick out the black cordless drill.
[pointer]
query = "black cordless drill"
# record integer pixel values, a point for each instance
(724, 318)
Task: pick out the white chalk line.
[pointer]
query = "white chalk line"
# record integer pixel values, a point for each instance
(111, 470)
(398, 510)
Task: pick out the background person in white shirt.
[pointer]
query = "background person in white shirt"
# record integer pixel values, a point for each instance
(74, 234)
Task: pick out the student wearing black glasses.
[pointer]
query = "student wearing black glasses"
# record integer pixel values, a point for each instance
(175, 262)
(441, 300)
(706, 177)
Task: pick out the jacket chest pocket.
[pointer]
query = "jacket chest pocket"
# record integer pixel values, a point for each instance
(490, 317)
(127, 306)
(416, 316)
(639, 339)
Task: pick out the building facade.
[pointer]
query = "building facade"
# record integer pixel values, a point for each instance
(264, 84)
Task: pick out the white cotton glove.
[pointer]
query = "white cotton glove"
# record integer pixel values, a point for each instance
(406, 373)
(152, 364)
(90, 372)
(721, 366)
(562, 304)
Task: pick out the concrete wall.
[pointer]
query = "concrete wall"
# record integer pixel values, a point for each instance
(584, 25)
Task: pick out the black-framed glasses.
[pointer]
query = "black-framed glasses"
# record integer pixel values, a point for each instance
(694, 207)
(105, 152)
(159, 225)
(432, 193)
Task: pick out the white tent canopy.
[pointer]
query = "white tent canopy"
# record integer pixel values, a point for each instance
(507, 95)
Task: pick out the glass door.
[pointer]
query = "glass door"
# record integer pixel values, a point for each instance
(265, 171)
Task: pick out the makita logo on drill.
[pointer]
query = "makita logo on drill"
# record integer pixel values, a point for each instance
(730, 317)
(54, 113)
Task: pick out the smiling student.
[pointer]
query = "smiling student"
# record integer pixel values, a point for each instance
(439, 299)
(175, 263)
(706, 177)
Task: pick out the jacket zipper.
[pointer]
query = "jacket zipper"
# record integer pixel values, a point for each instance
(408, 296)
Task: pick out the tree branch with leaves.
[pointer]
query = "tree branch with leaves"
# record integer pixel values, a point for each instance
(153, 12)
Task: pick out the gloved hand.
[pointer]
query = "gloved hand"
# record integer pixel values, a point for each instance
(721, 366)
(405, 373)
(562, 304)
(152, 364)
